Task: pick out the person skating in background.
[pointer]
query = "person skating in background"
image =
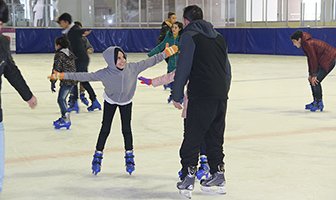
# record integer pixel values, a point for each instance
(119, 79)
(172, 38)
(64, 61)
(89, 49)
(11, 72)
(75, 35)
(321, 60)
(166, 26)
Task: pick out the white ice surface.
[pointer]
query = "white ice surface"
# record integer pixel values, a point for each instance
(275, 150)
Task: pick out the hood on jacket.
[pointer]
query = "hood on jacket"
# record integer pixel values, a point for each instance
(305, 36)
(203, 27)
(109, 56)
(67, 52)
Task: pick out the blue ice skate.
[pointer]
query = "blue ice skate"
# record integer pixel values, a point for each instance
(73, 106)
(317, 105)
(309, 106)
(95, 105)
(204, 169)
(83, 99)
(96, 162)
(62, 123)
(129, 161)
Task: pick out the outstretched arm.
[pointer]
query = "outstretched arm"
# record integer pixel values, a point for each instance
(78, 76)
(149, 62)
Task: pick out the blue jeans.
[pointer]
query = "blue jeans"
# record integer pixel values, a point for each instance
(2, 154)
(62, 95)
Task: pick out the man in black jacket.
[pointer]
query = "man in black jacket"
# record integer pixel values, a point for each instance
(74, 34)
(203, 61)
(13, 75)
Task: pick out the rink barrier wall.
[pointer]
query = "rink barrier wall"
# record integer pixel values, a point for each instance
(273, 41)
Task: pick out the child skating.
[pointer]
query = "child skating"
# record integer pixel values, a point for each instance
(64, 61)
(321, 60)
(119, 79)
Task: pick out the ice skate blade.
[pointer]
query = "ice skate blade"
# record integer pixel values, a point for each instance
(213, 190)
(186, 193)
(60, 127)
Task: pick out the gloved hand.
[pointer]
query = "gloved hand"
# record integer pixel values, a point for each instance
(169, 51)
(144, 80)
(56, 76)
(52, 86)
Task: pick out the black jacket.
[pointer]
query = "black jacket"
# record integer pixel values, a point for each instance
(165, 27)
(77, 46)
(11, 72)
(203, 61)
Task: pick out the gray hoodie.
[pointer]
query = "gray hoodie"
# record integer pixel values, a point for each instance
(119, 85)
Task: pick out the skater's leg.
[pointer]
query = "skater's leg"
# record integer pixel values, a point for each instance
(108, 114)
(61, 99)
(215, 138)
(89, 89)
(126, 115)
(73, 95)
(82, 95)
(81, 88)
(2, 155)
(317, 104)
(197, 124)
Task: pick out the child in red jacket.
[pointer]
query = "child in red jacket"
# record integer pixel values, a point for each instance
(321, 60)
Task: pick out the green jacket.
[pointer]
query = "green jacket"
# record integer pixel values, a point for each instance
(160, 47)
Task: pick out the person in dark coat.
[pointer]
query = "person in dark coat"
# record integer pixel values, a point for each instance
(11, 72)
(75, 34)
(203, 61)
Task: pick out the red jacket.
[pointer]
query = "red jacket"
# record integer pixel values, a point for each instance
(319, 54)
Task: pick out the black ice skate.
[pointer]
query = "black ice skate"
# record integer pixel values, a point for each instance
(186, 185)
(215, 184)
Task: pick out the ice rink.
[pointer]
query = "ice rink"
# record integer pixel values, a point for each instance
(275, 150)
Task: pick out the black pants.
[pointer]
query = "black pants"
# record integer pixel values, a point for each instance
(317, 89)
(202, 147)
(205, 122)
(82, 66)
(108, 114)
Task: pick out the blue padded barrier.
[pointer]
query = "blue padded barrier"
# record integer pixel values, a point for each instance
(275, 41)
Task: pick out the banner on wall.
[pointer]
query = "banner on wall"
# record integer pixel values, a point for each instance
(10, 32)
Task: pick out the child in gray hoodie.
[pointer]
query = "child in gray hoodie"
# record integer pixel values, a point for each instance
(119, 79)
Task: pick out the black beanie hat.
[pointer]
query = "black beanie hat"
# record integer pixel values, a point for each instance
(3, 12)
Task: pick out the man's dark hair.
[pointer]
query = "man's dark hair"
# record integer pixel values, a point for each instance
(78, 23)
(62, 41)
(3, 12)
(65, 17)
(296, 35)
(171, 14)
(192, 12)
